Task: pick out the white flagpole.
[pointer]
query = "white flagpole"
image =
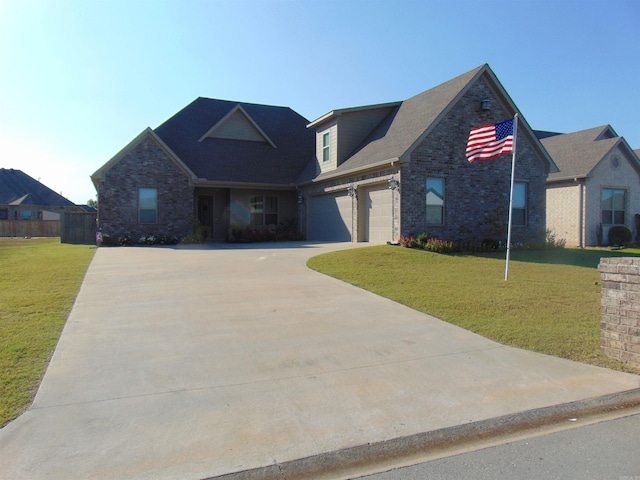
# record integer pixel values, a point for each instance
(513, 169)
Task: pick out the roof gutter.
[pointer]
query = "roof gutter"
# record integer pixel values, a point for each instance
(345, 173)
(201, 182)
(572, 178)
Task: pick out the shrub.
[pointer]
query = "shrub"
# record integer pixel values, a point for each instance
(405, 241)
(439, 246)
(551, 241)
(107, 241)
(125, 240)
(190, 239)
(422, 239)
(490, 244)
(619, 236)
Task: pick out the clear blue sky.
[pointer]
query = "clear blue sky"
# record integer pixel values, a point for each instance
(79, 79)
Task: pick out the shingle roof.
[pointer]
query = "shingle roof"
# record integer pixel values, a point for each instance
(226, 160)
(406, 124)
(577, 153)
(18, 188)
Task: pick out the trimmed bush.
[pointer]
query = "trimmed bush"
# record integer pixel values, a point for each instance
(619, 236)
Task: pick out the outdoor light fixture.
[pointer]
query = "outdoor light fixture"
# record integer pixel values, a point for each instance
(393, 183)
(300, 198)
(351, 191)
(485, 104)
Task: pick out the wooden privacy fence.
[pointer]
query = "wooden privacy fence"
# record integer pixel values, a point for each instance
(29, 228)
(79, 228)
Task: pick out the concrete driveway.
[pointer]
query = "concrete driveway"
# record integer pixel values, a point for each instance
(195, 363)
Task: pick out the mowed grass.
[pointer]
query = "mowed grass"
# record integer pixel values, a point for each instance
(550, 304)
(39, 281)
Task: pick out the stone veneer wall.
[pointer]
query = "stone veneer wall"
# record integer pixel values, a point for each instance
(147, 165)
(620, 324)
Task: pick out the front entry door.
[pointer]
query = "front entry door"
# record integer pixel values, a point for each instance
(205, 213)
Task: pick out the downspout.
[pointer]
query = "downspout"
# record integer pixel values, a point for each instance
(581, 222)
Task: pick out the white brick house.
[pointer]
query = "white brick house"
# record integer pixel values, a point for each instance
(597, 187)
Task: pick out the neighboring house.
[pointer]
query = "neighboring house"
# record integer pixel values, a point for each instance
(368, 173)
(29, 208)
(597, 187)
(24, 198)
(217, 163)
(400, 169)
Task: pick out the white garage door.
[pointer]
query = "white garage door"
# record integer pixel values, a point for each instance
(378, 214)
(330, 218)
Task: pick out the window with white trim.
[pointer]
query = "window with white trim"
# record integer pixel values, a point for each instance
(613, 205)
(326, 147)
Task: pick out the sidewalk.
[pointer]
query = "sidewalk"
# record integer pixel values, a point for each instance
(196, 363)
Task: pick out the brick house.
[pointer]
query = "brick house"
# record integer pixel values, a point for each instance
(217, 163)
(595, 188)
(369, 173)
(394, 169)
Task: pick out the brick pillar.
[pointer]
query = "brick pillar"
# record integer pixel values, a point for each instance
(620, 324)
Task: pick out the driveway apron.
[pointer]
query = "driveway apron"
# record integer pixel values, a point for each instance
(197, 362)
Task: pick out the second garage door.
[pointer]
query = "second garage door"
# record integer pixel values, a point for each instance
(377, 214)
(330, 218)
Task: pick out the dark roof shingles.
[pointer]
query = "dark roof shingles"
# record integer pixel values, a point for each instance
(15, 184)
(576, 154)
(226, 160)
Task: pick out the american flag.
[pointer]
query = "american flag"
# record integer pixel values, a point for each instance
(490, 141)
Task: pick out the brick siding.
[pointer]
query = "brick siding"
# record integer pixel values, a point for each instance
(620, 321)
(147, 165)
(476, 195)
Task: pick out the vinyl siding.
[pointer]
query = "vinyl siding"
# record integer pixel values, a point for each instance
(237, 127)
(354, 127)
(332, 164)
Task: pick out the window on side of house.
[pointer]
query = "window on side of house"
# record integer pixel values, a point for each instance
(26, 214)
(519, 204)
(148, 205)
(326, 147)
(613, 205)
(264, 210)
(4, 214)
(435, 201)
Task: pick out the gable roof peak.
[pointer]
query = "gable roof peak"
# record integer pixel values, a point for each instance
(237, 124)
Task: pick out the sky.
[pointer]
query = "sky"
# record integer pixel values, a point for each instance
(80, 79)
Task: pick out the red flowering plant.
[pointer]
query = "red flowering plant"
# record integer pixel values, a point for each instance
(439, 246)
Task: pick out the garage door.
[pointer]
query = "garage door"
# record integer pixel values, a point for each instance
(378, 214)
(330, 218)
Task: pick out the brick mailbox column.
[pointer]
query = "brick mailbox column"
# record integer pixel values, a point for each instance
(620, 324)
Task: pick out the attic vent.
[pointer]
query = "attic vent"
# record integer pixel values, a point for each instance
(237, 125)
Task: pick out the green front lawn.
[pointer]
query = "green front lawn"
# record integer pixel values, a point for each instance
(550, 304)
(39, 281)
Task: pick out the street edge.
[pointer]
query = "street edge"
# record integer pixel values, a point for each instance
(337, 463)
